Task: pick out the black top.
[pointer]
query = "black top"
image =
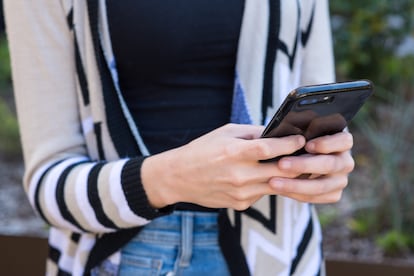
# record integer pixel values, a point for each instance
(176, 65)
(175, 60)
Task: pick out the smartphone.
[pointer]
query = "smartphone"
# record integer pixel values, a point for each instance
(318, 110)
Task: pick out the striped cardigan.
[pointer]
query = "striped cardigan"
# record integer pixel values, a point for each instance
(83, 152)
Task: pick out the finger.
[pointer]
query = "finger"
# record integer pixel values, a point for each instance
(266, 148)
(251, 192)
(319, 199)
(339, 142)
(310, 190)
(257, 172)
(241, 198)
(321, 164)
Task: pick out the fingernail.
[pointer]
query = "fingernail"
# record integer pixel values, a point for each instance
(311, 146)
(285, 164)
(277, 184)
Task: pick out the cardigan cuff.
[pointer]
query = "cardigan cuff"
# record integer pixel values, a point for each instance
(134, 191)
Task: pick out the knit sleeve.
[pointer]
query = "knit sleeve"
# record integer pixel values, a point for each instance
(318, 59)
(67, 188)
(84, 196)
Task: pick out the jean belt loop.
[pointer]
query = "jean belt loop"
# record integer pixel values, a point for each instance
(187, 227)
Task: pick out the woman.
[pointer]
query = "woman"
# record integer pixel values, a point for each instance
(124, 109)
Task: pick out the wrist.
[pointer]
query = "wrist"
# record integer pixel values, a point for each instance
(157, 181)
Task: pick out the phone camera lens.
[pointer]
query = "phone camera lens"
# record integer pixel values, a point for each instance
(308, 101)
(316, 100)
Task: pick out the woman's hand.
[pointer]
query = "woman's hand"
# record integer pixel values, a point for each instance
(328, 165)
(219, 169)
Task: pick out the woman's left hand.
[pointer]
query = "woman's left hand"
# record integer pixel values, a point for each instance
(328, 164)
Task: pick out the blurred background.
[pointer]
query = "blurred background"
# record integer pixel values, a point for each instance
(374, 39)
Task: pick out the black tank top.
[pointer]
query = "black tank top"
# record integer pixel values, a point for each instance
(176, 66)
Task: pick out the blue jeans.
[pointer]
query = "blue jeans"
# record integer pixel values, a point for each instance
(180, 244)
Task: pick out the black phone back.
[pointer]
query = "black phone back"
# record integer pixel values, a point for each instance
(318, 110)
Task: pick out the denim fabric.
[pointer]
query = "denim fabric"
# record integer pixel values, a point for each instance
(183, 243)
(106, 268)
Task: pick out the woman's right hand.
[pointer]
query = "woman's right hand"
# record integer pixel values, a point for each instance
(217, 170)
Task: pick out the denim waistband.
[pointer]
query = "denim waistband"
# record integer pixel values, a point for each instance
(202, 221)
(202, 226)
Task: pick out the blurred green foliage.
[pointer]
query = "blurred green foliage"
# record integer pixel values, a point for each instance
(369, 41)
(5, 71)
(374, 39)
(390, 167)
(9, 131)
(395, 242)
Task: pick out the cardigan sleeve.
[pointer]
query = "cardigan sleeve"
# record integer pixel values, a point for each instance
(318, 59)
(66, 187)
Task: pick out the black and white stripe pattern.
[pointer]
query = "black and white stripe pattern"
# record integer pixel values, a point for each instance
(84, 196)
